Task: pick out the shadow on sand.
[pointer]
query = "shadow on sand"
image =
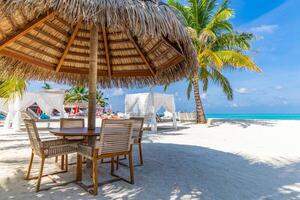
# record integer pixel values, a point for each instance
(174, 171)
(244, 123)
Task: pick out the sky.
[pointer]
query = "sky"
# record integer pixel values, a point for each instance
(276, 49)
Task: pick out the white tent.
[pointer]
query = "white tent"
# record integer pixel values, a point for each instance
(147, 104)
(47, 101)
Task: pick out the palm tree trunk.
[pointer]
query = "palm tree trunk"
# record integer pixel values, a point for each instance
(201, 119)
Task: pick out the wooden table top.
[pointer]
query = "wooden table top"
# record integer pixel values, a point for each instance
(75, 131)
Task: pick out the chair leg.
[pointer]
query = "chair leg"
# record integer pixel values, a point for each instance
(79, 168)
(131, 167)
(62, 160)
(66, 165)
(95, 176)
(29, 167)
(141, 154)
(56, 159)
(40, 175)
(112, 166)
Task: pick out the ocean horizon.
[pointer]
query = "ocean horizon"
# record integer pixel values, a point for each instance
(255, 116)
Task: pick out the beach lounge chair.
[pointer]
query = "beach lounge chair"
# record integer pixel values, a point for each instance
(70, 123)
(45, 149)
(28, 113)
(115, 140)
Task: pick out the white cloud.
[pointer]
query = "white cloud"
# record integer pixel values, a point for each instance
(244, 90)
(118, 92)
(234, 105)
(278, 87)
(203, 96)
(264, 28)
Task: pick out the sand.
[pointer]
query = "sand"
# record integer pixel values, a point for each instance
(225, 160)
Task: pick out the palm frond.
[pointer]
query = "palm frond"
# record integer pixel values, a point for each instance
(236, 41)
(211, 57)
(219, 79)
(238, 60)
(11, 88)
(189, 88)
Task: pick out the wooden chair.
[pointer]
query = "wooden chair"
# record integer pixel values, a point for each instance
(137, 135)
(70, 123)
(115, 140)
(45, 149)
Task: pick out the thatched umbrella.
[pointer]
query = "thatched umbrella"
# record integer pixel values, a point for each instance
(112, 43)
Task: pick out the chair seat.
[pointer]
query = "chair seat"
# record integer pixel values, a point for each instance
(85, 150)
(52, 148)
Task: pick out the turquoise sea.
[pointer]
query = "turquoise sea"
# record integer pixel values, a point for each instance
(256, 116)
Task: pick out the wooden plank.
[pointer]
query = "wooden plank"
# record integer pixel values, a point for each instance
(117, 74)
(68, 46)
(26, 29)
(57, 28)
(50, 36)
(144, 58)
(127, 57)
(81, 61)
(44, 43)
(156, 46)
(174, 61)
(170, 44)
(163, 54)
(26, 59)
(80, 70)
(86, 55)
(37, 50)
(129, 64)
(147, 41)
(62, 21)
(106, 47)
(129, 73)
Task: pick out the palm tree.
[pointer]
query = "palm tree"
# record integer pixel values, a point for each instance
(80, 94)
(46, 86)
(218, 46)
(101, 100)
(77, 94)
(12, 87)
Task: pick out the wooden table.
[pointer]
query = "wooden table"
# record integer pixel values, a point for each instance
(69, 132)
(73, 132)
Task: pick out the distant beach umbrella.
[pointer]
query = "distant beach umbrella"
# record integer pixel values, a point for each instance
(109, 43)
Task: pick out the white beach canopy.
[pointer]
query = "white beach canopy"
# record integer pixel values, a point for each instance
(47, 101)
(147, 104)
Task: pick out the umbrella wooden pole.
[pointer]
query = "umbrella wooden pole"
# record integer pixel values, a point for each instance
(92, 85)
(93, 78)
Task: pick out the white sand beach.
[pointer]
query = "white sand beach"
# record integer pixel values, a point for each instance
(225, 160)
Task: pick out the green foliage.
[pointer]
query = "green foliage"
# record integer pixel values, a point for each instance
(101, 100)
(10, 88)
(77, 94)
(218, 46)
(80, 94)
(46, 86)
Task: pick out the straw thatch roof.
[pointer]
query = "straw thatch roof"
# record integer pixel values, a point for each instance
(141, 42)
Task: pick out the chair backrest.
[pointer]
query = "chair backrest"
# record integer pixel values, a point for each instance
(116, 136)
(71, 122)
(33, 135)
(31, 114)
(137, 127)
